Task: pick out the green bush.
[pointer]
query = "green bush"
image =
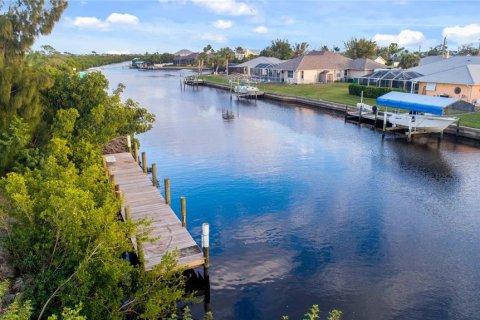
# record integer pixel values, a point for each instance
(369, 92)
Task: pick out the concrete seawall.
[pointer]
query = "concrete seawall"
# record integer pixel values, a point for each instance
(464, 132)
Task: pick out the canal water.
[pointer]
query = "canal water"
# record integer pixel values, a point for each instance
(307, 209)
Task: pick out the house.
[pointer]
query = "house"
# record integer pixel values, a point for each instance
(244, 53)
(457, 77)
(462, 82)
(323, 67)
(379, 59)
(188, 60)
(182, 53)
(361, 66)
(247, 66)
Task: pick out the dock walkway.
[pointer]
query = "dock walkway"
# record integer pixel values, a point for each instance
(145, 201)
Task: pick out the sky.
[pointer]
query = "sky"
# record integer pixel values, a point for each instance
(128, 26)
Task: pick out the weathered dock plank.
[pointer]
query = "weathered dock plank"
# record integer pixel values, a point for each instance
(146, 202)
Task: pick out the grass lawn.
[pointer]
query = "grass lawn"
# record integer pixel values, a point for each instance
(471, 120)
(335, 92)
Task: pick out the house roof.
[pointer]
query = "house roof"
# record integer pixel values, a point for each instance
(183, 52)
(259, 60)
(467, 74)
(322, 60)
(415, 102)
(192, 55)
(429, 59)
(365, 64)
(446, 64)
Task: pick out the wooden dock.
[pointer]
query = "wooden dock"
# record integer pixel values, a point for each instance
(146, 202)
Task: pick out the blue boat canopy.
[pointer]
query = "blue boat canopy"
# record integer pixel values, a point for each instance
(416, 102)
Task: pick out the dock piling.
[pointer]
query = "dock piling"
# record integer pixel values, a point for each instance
(129, 144)
(128, 214)
(167, 190)
(112, 179)
(144, 162)
(206, 250)
(117, 191)
(136, 153)
(154, 175)
(183, 205)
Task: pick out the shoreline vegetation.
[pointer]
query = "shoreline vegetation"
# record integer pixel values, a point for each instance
(331, 92)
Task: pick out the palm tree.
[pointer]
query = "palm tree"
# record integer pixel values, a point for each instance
(299, 49)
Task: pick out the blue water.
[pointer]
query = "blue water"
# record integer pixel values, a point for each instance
(307, 209)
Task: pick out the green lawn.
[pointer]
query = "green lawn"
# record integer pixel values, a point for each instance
(335, 92)
(471, 120)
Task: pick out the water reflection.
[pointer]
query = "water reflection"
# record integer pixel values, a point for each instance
(305, 208)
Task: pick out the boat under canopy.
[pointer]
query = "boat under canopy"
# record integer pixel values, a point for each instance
(423, 103)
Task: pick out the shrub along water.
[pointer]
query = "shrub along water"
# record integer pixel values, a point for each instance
(369, 91)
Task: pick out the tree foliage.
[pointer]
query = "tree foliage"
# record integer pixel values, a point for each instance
(300, 49)
(360, 48)
(409, 60)
(278, 48)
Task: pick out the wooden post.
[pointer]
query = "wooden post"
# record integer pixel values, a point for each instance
(167, 190)
(384, 123)
(458, 129)
(360, 114)
(346, 112)
(117, 191)
(128, 214)
(183, 205)
(136, 152)
(154, 175)
(376, 116)
(129, 144)
(206, 250)
(409, 136)
(112, 179)
(144, 162)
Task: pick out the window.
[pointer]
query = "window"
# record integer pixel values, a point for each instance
(290, 74)
(301, 73)
(430, 86)
(457, 90)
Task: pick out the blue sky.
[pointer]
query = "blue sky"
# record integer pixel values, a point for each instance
(170, 25)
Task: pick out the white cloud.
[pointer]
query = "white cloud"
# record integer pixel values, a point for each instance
(462, 35)
(405, 38)
(95, 23)
(122, 18)
(260, 29)
(230, 7)
(89, 23)
(213, 37)
(223, 24)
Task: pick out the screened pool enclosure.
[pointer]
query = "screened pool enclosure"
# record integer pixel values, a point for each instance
(392, 78)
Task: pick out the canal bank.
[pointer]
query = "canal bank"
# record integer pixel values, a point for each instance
(453, 130)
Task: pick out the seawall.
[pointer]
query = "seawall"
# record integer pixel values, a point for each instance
(464, 132)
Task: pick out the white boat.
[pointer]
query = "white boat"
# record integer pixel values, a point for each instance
(244, 89)
(364, 107)
(425, 122)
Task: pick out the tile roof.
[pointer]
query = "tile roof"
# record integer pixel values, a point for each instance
(365, 64)
(316, 60)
